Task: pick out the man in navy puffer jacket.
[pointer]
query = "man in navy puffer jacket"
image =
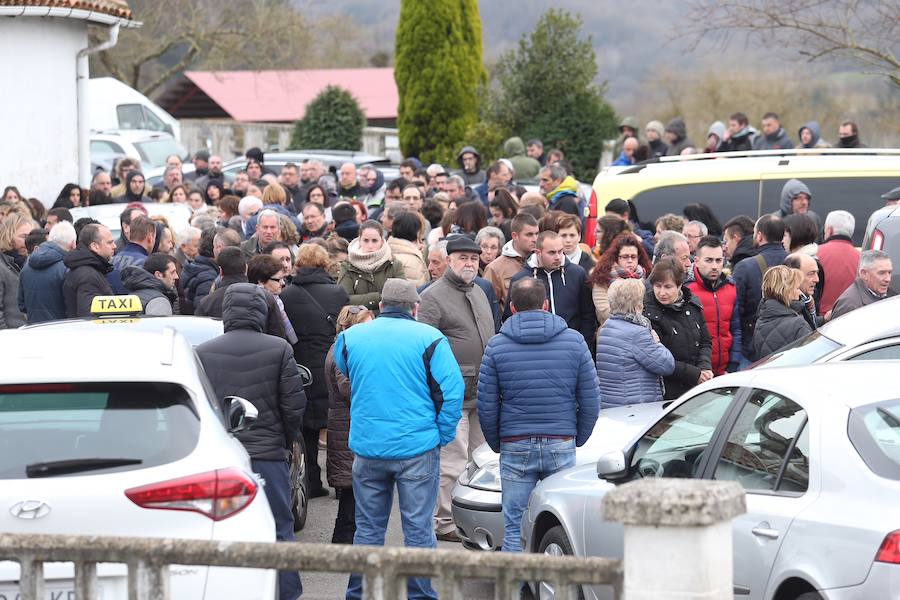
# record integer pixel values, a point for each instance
(544, 373)
(40, 284)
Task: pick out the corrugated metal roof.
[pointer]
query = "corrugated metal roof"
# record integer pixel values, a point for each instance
(272, 96)
(117, 8)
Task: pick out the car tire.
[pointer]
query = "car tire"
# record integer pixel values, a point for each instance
(299, 485)
(555, 542)
(810, 596)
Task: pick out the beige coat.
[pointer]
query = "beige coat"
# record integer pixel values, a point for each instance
(601, 303)
(500, 271)
(408, 254)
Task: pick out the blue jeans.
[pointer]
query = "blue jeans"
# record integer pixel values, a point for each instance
(522, 465)
(417, 480)
(277, 476)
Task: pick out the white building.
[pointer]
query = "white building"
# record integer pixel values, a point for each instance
(44, 53)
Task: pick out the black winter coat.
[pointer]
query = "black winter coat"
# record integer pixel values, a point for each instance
(339, 462)
(86, 278)
(198, 277)
(681, 329)
(315, 329)
(776, 327)
(211, 306)
(248, 363)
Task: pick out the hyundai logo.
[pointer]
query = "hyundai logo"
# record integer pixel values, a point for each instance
(30, 510)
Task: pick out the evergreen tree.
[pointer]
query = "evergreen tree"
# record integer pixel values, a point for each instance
(438, 68)
(333, 120)
(547, 91)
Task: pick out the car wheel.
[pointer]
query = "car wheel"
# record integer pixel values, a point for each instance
(554, 543)
(299, 485)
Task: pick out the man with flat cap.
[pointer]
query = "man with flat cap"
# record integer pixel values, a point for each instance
(461, 311)
(892, 197)
(405, 402)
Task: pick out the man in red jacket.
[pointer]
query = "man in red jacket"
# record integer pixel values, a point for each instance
(721, 311)
(838, 256)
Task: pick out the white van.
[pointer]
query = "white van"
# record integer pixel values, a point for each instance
(115, 105)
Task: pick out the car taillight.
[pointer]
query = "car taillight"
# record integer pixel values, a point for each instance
(877, 240)
(590, 225)
(890, 549)
(216, 494)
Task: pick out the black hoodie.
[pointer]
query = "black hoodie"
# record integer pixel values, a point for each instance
(156, 298)
(86, 278)
(128, 197)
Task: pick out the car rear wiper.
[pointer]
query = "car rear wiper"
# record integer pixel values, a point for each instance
(888, 416)
(76, 465)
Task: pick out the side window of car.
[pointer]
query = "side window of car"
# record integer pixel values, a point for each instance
(675, 445)
(768, 448)
(727, 199)
(884, 353)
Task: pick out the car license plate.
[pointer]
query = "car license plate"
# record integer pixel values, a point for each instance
(53, 590)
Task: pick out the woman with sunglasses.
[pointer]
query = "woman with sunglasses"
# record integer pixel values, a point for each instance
(312, 302)
(266, 271)
(339, 462)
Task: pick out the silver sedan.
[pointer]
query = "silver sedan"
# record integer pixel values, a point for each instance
(817, 450)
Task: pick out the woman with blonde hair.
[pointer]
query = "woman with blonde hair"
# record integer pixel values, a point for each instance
(339, 461)
(778, 324)
(13, 232)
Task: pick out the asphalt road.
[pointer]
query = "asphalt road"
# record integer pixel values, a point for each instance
(331, 586)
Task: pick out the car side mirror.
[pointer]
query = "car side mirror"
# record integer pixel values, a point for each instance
(305, 375)
(241, 413)
(612, 465)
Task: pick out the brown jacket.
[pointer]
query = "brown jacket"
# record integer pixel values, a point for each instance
(339, 461)
(502, 269)
(856, 296)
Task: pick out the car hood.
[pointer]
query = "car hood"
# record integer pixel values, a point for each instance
(615, 429)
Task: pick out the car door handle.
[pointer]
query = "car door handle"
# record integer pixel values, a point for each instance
(765, 532)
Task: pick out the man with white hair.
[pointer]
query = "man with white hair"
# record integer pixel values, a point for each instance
(674, 244)
(695, 231)
(188, 245)
(872, 285)
(247, 208)
(838, 256)
(268, 229)
(40, 284)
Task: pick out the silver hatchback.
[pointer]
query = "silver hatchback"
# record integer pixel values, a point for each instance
(817, 450)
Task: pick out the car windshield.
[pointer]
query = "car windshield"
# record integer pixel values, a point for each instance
(804, 351)
(154, 152)
(874, 431)
(89, 428)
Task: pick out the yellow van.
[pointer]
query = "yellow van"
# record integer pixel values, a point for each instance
(749, 183)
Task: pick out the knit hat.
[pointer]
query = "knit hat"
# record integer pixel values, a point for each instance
(656, 126)
(399, 291)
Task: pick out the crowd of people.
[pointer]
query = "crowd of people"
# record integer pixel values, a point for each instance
(442, 309)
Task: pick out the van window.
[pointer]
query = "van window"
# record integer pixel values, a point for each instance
(154, 152)
(861, 196)
(105, 147)
(727, 199)
(131, 116)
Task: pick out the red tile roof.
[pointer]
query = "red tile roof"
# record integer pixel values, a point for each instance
(272, 96)
(117, 8)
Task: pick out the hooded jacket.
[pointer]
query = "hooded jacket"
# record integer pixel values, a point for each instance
(407, 395)
(461, 312)
(791, 189)
(620, 141)
(717, 129)
(524, 166)
(408, 254)
(10, 315)
(747, 277)
(127, 197)
(630, 363)
(537, 378)
(776, 141)
(212, 305)
(312, 303)
(658, 147)
(41, 284)
(777, 326)
(723, 319)
(678, 127)
(156, 298)
(564, 197)
(478, 176)
(682, 329)
(501, 270)
(197, 277)
(742, 141)
(816, 133)
(568, 293)
(86, 278)
(246, 362)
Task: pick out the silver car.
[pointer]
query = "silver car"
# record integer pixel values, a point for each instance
(816, 448)
(475, 499)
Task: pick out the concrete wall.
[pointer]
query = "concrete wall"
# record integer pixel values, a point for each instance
(38, 106)
(230, 139)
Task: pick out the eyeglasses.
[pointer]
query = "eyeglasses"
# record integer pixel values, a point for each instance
(355, 310)
(628, 257)
(278, 279)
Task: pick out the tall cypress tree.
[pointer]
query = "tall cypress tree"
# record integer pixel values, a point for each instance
(438, 68)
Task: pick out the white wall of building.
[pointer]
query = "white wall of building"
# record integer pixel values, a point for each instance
(38, 104)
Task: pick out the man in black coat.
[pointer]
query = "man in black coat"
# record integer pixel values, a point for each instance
(232, 269)
(312, 302)
(88, 265)
(246, 362)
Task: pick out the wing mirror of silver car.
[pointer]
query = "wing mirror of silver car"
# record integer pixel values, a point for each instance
(612, 465)
(241, 413)
(305, 375)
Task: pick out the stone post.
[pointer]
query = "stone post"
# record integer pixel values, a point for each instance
(677, 537)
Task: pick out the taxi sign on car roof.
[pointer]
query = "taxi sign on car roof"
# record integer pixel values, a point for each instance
(116, 305)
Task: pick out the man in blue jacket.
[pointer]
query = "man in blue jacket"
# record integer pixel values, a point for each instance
(40, 284)
(405, 403)
(543, 372)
